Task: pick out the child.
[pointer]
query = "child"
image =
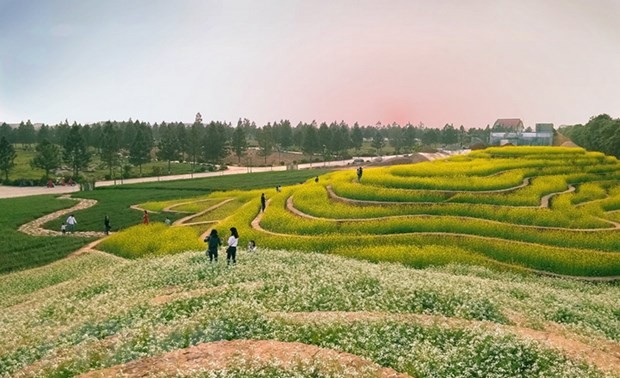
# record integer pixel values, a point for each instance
(251, 246)
(63, 228)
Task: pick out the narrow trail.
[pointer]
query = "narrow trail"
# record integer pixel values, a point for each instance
(183, 220)
(255, 224)
(220, 355)
(34, 228)
(170, 208)
(526, 182)
(291, 207)
(602, 353)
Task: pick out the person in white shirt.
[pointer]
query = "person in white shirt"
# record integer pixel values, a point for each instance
(231, 251)
(71, 222)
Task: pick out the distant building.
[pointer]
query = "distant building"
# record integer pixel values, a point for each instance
(508, 124)
(510, 131)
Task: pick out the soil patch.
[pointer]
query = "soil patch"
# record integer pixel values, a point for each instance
(224, 354)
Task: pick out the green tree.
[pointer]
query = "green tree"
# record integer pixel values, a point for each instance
(396, 138)
(310, 143)
(140, 150)
(110, 146)
(168, 145)
(194, 144)
(75, 153)
(26, 133)
(44, 133)
(215, 146)
(378, 142)
(7, 157)
(265, 140)
(47, 157)
(325, 138)
(286, 135)
(449, 135)
(357, 138)
(239, 142)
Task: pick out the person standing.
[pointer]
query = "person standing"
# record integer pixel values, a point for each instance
(360, 171)
(145, 217)
(213, 243)
(263, 202)
(231, 251)
(106, 225)
(71, 222)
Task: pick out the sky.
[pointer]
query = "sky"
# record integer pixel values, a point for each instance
(465, 62)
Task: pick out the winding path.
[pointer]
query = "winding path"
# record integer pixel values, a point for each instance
(34, 228)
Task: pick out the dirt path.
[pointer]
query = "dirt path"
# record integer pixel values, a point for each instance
(290, 206)
(183, 220)
(602, 353)
(34, 228)
(220, 355)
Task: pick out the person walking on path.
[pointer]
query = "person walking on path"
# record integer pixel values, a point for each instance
(71, 222)
(213, 243)
(145, 217)
(106, 225)
(231, 251)
(263, 202)
(360, 171)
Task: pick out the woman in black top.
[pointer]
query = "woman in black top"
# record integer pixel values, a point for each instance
(214, 242)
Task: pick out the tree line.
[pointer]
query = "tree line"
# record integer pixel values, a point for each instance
(136, 142)
(601, 133)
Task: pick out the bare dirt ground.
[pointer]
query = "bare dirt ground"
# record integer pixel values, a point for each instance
(225, 354)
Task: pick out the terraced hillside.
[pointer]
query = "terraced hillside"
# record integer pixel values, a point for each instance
(549, 210)
(478, 224)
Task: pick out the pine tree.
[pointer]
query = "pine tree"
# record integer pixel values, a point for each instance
(110, 145)
(357, 138)
(168, 145)
(75, 153)
(239, 142)
(7, 157)
(47, 157)
(140, 149)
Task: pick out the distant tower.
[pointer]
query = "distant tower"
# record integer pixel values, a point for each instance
(198, 118)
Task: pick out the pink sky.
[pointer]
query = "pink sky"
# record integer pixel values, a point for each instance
(460, 62)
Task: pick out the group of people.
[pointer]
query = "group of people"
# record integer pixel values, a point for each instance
(214, 242)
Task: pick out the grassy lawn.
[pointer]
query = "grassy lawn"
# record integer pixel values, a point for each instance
(20, 251)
